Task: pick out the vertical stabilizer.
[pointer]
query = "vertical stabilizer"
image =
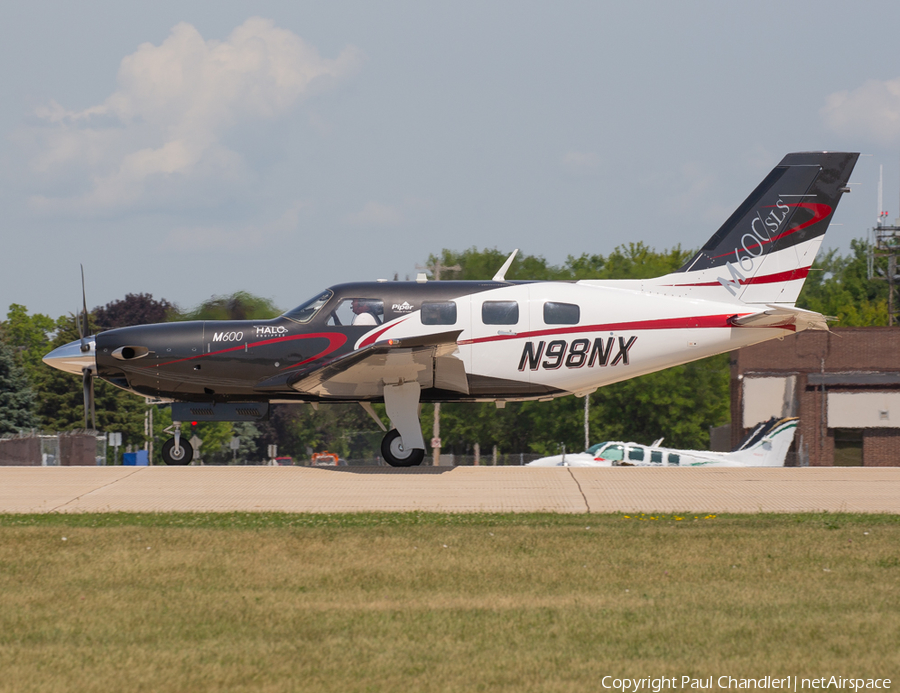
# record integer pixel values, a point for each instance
(763, 252)
(767, 445)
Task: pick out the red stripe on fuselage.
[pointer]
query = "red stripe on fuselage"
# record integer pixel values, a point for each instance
(703, 322)
(335, 341)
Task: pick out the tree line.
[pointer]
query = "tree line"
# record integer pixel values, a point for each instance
(680, 403)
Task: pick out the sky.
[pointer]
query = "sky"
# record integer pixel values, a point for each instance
(187, 150)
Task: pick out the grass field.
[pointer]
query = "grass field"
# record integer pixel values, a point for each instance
(430, 602)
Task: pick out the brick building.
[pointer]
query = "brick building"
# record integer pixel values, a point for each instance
(844, 386)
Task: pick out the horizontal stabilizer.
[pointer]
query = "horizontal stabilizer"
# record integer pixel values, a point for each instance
(796, 319)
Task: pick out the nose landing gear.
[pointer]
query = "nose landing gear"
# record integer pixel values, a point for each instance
(176, 451)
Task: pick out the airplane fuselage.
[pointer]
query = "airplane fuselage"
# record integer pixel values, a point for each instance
(516, 341)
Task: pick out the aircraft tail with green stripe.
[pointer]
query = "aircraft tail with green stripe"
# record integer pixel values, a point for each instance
(766, 445)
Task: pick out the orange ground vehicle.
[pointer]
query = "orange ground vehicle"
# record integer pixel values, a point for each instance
(325, 459)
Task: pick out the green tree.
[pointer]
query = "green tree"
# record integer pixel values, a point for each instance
(29, 336)
(216, 437)
(631, 261)
(839, 286)
(483, 264)
(342, 428)
(134, 309)
(238, 306)
(249, 434)
(16, 396)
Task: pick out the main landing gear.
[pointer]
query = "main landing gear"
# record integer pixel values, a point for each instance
(176, 451)
(396, 455)
(403, 446)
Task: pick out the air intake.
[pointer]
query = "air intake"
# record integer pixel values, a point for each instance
(129, 353)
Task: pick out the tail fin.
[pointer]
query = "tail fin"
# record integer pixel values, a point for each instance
(767, 445)
(763, 253)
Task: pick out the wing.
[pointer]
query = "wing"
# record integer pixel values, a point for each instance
(430, 360)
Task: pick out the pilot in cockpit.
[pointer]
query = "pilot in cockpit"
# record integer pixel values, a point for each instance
(364, 312)
(359, 312)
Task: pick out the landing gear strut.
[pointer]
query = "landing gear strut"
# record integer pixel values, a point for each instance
(396, 455)
(176, 451)
(404, 445)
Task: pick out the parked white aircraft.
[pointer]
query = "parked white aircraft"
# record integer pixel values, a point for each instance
(765, 446)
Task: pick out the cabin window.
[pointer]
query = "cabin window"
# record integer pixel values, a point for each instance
(438, 313)
(500, 312)
(656, 456)
(674, 459)
(614, 453)
(358, 311)
(636, 454)
(561, 313)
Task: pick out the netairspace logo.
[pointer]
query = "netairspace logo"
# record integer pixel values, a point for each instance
(787, 683)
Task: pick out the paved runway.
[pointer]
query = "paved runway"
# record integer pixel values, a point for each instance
(456, 489)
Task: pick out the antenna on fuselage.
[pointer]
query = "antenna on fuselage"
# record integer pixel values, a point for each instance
(501, 273)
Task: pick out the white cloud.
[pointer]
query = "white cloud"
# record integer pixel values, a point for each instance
(376, 214)
(871, 112)
(160, 134)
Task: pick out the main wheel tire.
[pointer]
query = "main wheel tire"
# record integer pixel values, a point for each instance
(396, 455)
(182, 457)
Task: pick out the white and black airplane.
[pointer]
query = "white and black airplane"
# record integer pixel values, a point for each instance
(403, 343)
(766, 445)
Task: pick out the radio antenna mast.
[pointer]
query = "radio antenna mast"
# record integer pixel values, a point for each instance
(885, 243)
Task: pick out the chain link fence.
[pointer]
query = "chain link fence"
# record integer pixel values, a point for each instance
(69, 448)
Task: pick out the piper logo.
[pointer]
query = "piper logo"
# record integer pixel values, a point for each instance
(404, 307)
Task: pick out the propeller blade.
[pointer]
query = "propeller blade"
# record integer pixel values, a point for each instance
(83, 329)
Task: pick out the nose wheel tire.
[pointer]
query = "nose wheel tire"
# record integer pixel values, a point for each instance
(396, 455)
(182, 457)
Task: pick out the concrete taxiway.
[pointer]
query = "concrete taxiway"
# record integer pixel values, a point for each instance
(441, 489)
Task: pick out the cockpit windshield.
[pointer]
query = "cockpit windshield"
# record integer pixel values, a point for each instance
(306, 311)
(614, 452)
